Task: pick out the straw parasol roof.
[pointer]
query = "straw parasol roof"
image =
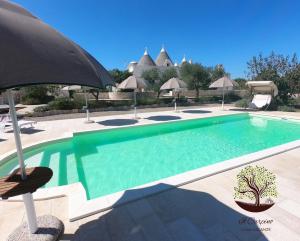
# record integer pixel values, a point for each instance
(174, 84)
(223, 82)
(132, 83)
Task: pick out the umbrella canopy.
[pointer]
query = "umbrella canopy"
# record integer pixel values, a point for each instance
(174, 84)
(263, 86)
(34, 53)
(223, 82)
(71, 87)
(132, 83)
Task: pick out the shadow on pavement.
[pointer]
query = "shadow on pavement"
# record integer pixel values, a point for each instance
(118, 122)
(163, 118)
(196, 111)
(27, 131)
(176, 214)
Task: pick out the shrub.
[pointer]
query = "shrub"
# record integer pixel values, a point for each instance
(243, 103)
(41, 108)
(62, 103)
(232, 97)
(147, 101)
(286, 108)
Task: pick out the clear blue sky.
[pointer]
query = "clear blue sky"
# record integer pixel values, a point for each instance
(210, 32)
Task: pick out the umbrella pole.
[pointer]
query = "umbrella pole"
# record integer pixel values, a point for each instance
(27, 198)
(87, 109)
(223, 93)
(86, 106)
(135, 115)
(175, 105)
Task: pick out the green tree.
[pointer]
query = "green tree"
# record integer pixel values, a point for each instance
(241, 82)
(151, 75)
(284, 71)
(119, 75)
(217, 72)
(34, 95)
(157, 78)
(255, 183)
(196, 76)
(168, 74)
(153, 78)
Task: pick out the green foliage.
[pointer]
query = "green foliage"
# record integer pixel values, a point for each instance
(284, 71)
(153, 78)
(243, 103)
(217, 72)
(62, 103)
(119, 75)
(156, 78)
(34, 95)
(41, 108)
(255, 183)
(147, 101)
(151, 75)
(196, 76)
(241, 82)
(168, 74)
(286, 108)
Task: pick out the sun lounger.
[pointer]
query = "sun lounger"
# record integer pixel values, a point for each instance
(259, 101)
(7, 123)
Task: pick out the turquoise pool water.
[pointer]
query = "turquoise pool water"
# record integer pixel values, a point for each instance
(113, 160)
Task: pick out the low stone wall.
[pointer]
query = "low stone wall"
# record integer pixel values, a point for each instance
(129, 95)
(120, 95)
(206, 93)
(112, 108)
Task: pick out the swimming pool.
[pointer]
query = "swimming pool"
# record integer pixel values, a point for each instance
(112, 160)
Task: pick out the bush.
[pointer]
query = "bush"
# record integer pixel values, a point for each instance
(41, 108)
(62, 103)
(232, 97)
(286, 108)
(243, 103)
(147, 101)
(35, 95)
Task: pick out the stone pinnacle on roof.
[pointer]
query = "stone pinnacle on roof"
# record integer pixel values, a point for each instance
(146, 59)
(183, 60)
(163, 59)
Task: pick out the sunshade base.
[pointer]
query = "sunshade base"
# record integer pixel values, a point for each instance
(50, 228)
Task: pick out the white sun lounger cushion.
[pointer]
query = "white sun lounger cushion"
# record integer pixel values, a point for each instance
(22, 123)
(260, 101)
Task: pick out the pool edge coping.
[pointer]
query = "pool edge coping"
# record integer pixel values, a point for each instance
(13, 153)
(79, 207)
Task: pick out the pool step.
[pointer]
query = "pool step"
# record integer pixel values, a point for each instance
(53, 163)
(72, 172)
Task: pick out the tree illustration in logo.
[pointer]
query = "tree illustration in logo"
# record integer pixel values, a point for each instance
(257, 185)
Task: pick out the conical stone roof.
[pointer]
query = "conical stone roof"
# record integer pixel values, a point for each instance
(146, 60)
(163, 59)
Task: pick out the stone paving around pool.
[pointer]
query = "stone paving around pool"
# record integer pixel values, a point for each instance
(201, 210)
